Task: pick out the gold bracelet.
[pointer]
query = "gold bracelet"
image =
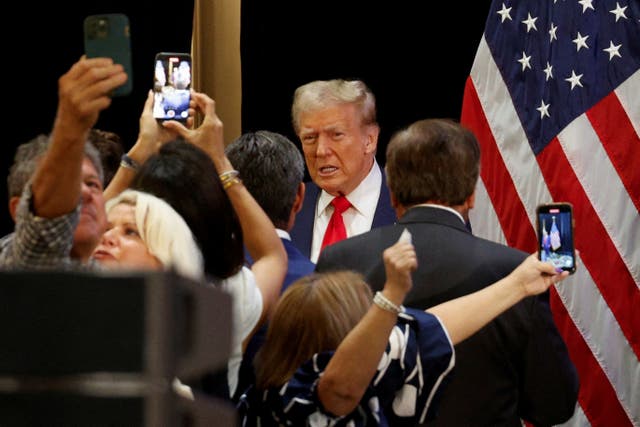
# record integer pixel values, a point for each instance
(228, 175)
(385, 303)
(231, 181)
(229, 178)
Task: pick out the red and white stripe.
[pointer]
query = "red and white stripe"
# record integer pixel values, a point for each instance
(594, 163)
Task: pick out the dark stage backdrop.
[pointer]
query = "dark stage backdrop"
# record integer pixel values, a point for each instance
(50, 40)
(414, 55)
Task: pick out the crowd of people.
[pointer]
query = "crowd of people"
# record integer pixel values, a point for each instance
(320, 331)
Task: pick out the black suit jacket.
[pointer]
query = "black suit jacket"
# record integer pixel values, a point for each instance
(515, 367)
(302, 232)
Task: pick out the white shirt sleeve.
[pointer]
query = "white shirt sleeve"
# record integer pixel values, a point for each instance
(247, 308)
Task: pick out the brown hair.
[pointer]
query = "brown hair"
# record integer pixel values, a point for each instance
(434, 160)
(314, 314)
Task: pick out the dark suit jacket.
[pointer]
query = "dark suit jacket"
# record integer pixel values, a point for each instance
(302, 233)
(298, 265)
(517, 365)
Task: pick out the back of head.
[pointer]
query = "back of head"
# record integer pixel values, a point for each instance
(25, 162)
(165, 233)
(314, 314)
(28, 156)
(321, 94)
(272, 168)
(433, 160)
(185, 177)
(110, 147)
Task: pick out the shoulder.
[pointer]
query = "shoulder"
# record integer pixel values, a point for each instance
(242, 284)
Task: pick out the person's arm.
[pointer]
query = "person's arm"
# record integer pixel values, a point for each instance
(354, 363)
(356, 359)
(151, 136)
(531, 277)
(260, 237)
(83, 92)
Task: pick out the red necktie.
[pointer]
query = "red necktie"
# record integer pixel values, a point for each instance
(336, 230)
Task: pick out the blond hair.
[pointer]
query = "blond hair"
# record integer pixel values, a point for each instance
(165, 233)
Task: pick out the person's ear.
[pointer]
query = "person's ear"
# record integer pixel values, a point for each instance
(297, 203)
(471, 200)
(373, 131)
(400, 209)
(13, 206)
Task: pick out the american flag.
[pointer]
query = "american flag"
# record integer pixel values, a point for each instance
(554, 99)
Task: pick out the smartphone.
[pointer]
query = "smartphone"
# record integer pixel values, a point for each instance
(108, 35)
(172, 86)
(554, 222)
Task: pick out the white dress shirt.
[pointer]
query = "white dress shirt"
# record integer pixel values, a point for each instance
(358, 218)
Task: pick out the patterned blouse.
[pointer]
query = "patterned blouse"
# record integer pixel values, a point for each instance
(39, 243)
(405, 390)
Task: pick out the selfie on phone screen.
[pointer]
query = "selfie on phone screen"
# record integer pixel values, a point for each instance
(172, 82)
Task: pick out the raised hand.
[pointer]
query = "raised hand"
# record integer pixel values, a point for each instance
(209, 135)
(400, 261)
(535, 276)
(83, 92)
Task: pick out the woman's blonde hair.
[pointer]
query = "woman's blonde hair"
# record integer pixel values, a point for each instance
(314, 314)
(165, 233)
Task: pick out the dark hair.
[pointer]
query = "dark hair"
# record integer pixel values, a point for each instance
(184, 176)
(272, 168)
(110, 147)
(433, 160)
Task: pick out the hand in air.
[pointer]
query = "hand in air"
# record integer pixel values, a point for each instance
(400, 261)
(536, 276)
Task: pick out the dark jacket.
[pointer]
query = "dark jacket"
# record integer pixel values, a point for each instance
(515, 367)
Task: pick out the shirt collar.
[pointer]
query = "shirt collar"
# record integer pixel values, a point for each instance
(359, 196)
(446, 208)
(283, 234)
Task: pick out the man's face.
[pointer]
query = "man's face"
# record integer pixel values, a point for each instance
(93, 217)
(338, 148)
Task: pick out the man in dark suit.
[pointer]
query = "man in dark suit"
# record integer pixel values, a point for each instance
(336, 123)
(272, 169)
(517, 367)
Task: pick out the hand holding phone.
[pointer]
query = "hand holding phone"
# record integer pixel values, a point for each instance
(107, 35)
(554, 224)
(172, 86)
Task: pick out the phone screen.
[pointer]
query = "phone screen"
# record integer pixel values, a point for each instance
(171, 86)
(555, 235)
(108, 35)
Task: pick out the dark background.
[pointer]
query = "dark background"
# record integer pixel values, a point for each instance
(415, 56)
(51, 40)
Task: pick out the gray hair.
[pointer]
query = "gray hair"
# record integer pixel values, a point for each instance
(272, 168)
(321, 94)
(28, 156)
